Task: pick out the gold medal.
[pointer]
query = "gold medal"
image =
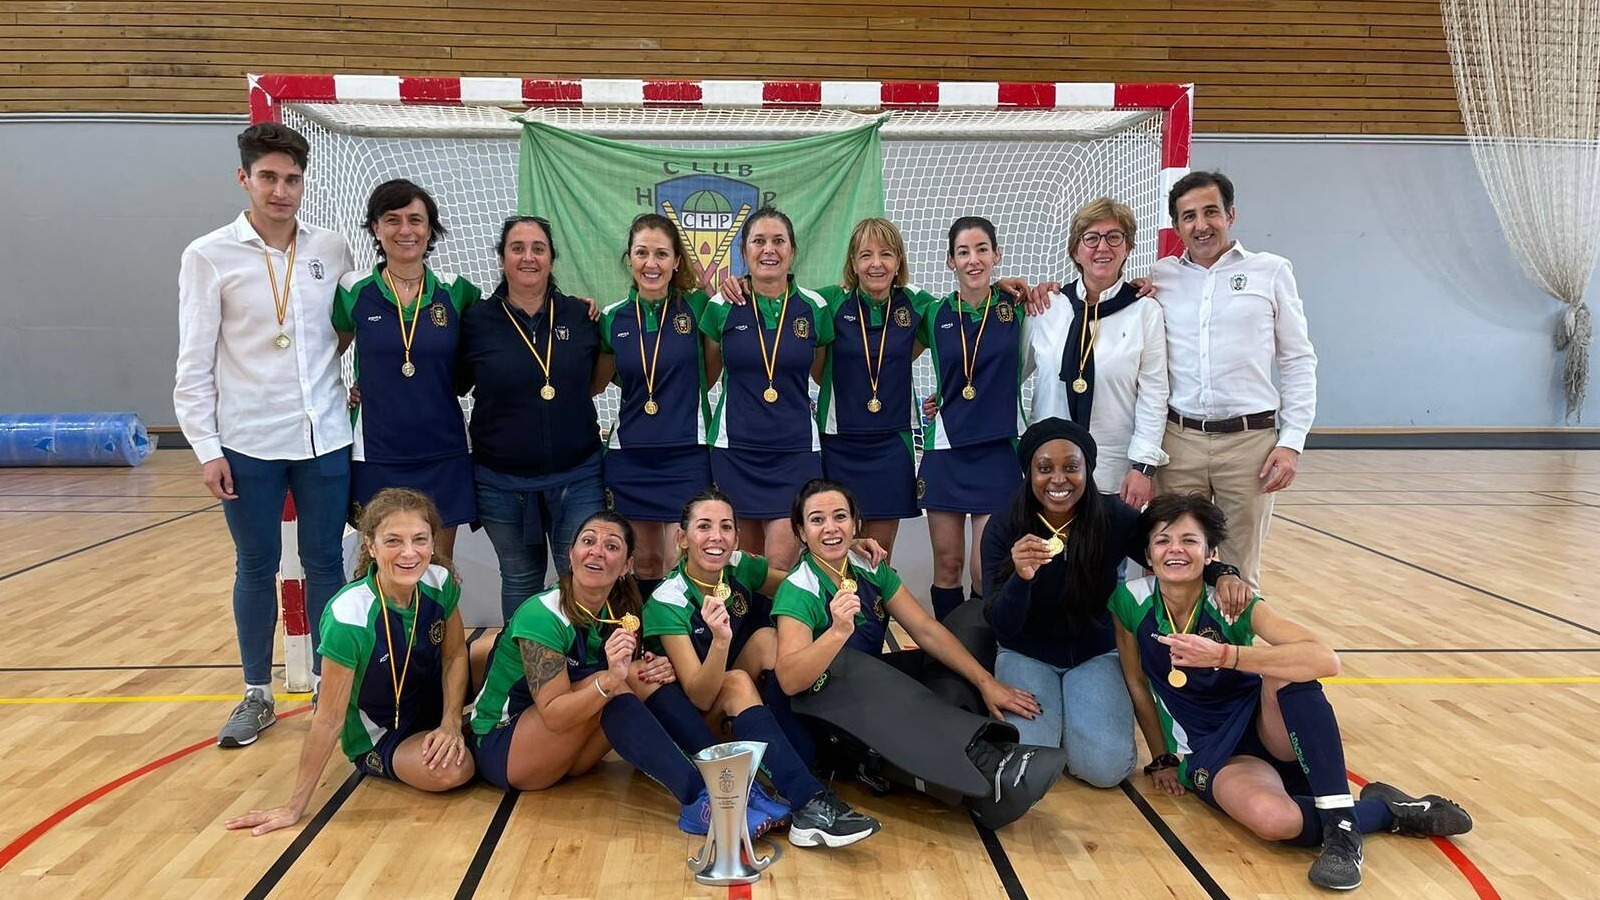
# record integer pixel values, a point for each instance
(770, 395)
(281, 341)
(969, 363)
(544, 362)
(280, 302)
(547, 392)
(1177, 678)
(722, 591)
(969, 392)
(651, 408)
(1055, 545)
(1079, 386)
(769, 360)
(629, 623)
(649, 366)
(847, 585)
(407, 369)
(874, 405)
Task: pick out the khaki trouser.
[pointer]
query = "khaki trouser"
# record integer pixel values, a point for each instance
(1225, 468)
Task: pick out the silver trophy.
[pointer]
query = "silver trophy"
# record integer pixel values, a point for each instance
(728, 856)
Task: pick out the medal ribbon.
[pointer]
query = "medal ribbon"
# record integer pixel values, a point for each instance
(280, 304)
(406, 337)
(399, 681)
(874, 373)
(968, 367)
(651, 368)
(770, 362)
(543, 361)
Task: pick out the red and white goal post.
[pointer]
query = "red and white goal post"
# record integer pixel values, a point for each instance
(1026, 155)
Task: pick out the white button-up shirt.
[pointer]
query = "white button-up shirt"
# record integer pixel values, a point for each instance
(1227, 327)
(234, 387)
(1130, 381)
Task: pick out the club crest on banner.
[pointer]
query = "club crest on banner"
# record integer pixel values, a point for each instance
(709, 210)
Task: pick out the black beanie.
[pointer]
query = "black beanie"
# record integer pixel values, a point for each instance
(1046, 430)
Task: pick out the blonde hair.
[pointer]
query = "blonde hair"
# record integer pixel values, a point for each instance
(1094, 211)
(882, 232)
(388, 502)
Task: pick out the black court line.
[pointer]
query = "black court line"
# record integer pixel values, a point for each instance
(1569, 499)
(128, 668)
(1206, 882)
(1001, 862)
(486, 847)
(119, 537)
(291, 854)
(1443, 577)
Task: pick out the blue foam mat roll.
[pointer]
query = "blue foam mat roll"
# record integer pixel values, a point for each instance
(73, 439)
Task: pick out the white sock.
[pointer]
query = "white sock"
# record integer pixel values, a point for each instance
(265, 689)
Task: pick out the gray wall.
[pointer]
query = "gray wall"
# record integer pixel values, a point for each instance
(1419, 314)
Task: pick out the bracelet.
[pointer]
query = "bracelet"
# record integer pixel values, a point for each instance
(1236, 651)
(1164, 761)
(600, 689)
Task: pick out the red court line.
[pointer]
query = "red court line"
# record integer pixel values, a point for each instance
(738, 892)
(27, 838)
(1469, 870)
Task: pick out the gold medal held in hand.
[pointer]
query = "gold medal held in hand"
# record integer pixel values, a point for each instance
(1079, 385)
(547, 392)
(847, 585)
(1177, 677)
(722, 591)
(770, 394)
(629, 623)
(1055, 545)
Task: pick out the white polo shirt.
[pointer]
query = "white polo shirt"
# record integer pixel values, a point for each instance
(1227, 328)
(234, 387)
(1130, 382)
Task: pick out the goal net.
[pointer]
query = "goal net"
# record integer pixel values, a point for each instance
(1025, 164)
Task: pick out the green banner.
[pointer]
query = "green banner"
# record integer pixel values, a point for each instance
(591, 188)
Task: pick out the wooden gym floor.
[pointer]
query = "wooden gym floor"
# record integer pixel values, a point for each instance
(1458, 587)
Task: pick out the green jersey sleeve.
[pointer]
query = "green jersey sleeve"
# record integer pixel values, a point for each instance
(663, 617)
(750, 570)
(344, 304)
(713, 317)
(798, 603)
(533, 621)
(343, 643)
(1124, 608)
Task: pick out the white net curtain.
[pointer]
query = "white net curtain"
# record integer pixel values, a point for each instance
(1527, 74)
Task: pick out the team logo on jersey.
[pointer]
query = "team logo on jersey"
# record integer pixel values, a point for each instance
(682, 324)
(1002, 311)
(436, 632)
(1201, 778)
(437, 315)
(902, 317)
(1212, 634)
(737, 605)
(709, 210)
(375, 762)
(877, 608)
(315, 268)
(802, 327)
(1239, 281)
(562, 332)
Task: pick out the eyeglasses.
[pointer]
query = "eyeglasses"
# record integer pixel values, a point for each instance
(1112, 238)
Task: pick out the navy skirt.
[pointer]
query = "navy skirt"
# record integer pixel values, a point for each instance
(448, 481)
(977, 480)
(763, 483)
(880, 470)
(652, 484)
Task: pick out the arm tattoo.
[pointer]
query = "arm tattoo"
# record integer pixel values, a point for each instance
(540, 665)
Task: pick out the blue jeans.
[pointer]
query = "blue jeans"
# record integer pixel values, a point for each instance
(522, 522)
(1085, 709)
(321, 487)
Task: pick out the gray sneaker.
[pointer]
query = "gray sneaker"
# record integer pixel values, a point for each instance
(253, 714)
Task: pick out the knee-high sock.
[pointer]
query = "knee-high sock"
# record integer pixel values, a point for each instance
(789, 775)
(777, 702)
(1371, 815)
(638, 738)
(945, 600)
(678, 715)
(1314, 734)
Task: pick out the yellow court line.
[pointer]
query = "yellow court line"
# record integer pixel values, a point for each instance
(1571, 679)
(168, 698)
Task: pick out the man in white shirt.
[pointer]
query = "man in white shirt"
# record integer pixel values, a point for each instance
(1232, 317)
(260, 400)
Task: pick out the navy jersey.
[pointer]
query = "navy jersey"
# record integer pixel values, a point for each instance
(400, 418)
(995, 411)
(891, 327)
(675, 356)
(674, 606)
(805, 595)
(743, 419)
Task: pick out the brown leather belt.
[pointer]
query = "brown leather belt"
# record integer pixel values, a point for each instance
(1252, 422)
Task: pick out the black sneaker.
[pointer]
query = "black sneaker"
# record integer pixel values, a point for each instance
(1020, 774)
(827, 820)
(1338, 868)
(1429, 816)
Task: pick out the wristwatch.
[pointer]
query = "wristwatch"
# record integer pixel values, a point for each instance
(1144, 469)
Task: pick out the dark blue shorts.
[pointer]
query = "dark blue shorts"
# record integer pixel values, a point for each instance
(763, 483)
(379, 761)
(448, 481)
(880, 470)
(977, 480)
(1239, 737)
(652, 484)
(491, 752)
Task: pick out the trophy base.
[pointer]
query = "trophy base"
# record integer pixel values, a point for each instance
(745, 872)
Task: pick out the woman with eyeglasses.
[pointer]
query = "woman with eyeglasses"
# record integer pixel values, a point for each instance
(1100, 358)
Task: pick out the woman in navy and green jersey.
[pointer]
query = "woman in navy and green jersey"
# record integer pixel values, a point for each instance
(1247, 727)
(656, 457)
(713, 619)
(763, 435)
(405, 320)
(931, 715)
(969, 449)
(394, 670)
(563, 688)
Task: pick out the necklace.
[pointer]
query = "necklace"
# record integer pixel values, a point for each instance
(719, 590)
(840, 575)
(629, 622)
